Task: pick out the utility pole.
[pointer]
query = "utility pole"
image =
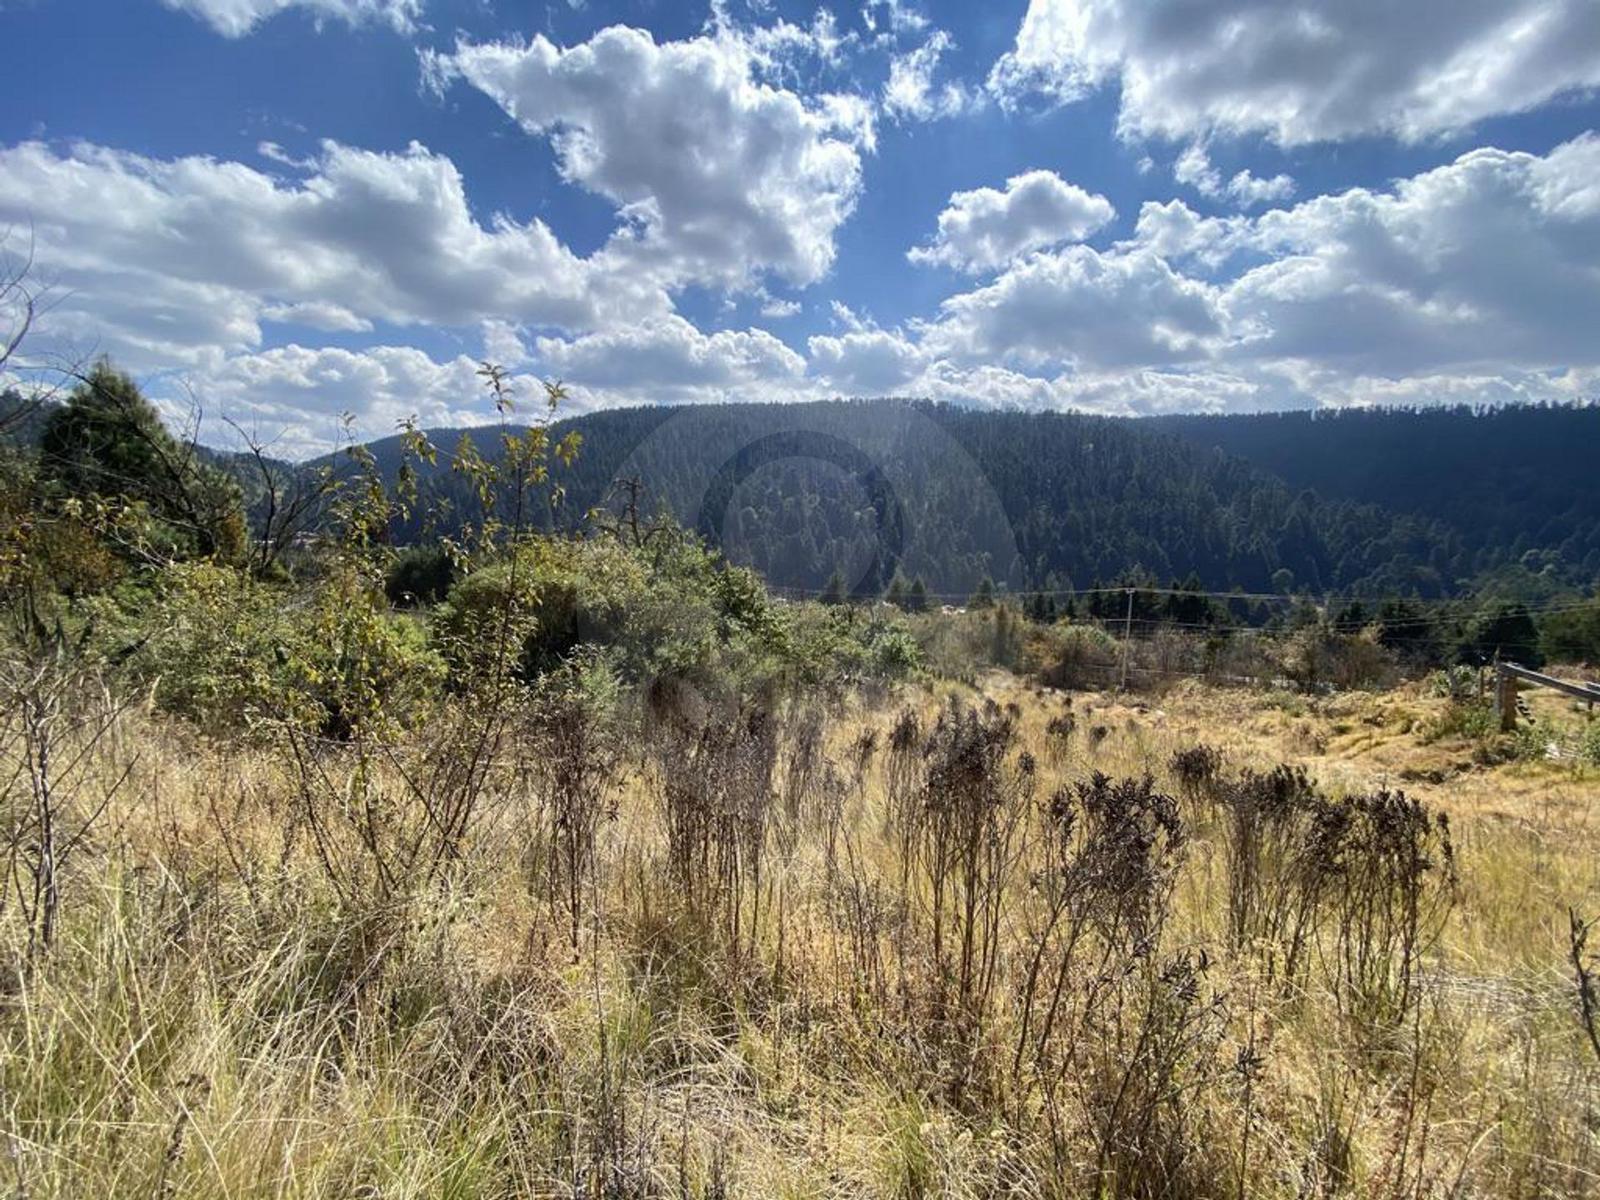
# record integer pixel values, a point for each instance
(1127, 636)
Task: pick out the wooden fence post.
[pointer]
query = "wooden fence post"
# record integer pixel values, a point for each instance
(1505, 698)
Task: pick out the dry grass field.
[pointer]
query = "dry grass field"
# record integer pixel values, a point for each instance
(941, 942)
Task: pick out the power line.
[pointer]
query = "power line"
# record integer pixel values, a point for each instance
(1438, 604)
(1347, 626)
(1090, 591)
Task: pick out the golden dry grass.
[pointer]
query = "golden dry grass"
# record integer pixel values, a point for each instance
(213, 1022)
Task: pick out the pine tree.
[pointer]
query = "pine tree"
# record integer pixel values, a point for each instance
(896, 595)
(107, 440)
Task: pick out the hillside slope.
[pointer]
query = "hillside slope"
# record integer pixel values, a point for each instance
(1512, 481)
(1426, 502)
(952, 495)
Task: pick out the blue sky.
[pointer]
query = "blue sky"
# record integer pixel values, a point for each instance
(285, 210)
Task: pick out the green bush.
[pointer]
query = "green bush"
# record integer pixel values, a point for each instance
(821, 644)
(1468, 718)
(230, 652)
(894, 652)
(537, 606)
(1079, 656)
(1532, 740)
(1454, 683)
(669, 609)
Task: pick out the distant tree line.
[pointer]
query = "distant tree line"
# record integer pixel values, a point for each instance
(1092, 507)
(1086, 500)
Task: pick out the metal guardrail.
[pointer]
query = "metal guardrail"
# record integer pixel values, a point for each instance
(1505, 692)
(1580, 690)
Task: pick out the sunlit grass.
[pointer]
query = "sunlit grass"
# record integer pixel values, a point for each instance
(211, 1022)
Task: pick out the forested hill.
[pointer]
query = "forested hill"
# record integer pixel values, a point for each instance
(1513, 481)
(1431, 502)
(1031, 500)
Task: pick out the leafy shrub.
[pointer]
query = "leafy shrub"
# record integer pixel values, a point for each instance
(231, 652)
(892, 652)
(47, 548)
(1532, 740)
(1459, 683)
(822, 644)
(668, 609)
(1473, 719)
(1079, 656)
(536, 606)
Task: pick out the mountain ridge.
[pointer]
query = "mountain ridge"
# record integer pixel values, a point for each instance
(1427, 502)
(1089, 498)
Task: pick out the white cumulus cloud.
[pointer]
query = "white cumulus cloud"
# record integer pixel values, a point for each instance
(1086, 308)
(295, 397)
(984, 229)
(1305, 72)
(775, 309)
(194, 252)
(235, 18)
(866, 362)
(718, 177)
(1492, 260)
(1477, 278)
(669, 361)
(502, 343)
(1194, 167)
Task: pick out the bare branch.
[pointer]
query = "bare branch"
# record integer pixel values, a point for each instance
(294, 499)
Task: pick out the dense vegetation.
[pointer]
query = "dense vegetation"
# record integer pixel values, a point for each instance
(144, 544)
(1517, 483)
(1429, 502)
(928, 504)
(1062, 501)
